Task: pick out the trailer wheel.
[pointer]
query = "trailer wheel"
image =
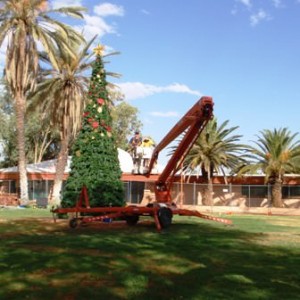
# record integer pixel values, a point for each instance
(132, 220)
(73, 223)
(165, 216)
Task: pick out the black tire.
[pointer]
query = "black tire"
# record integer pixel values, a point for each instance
(132, 220)
(73, 223)
(165, 216)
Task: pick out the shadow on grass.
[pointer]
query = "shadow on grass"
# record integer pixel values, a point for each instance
(43, 260)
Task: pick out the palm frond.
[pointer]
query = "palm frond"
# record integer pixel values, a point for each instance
(215, 150)
(74, 11)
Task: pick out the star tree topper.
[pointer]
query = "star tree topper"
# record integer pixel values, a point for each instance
(99, 50)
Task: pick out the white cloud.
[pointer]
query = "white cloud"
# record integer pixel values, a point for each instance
(260, 16)
(247, 3)
(180, 88)
(95, 25)
(257, 15)
(136, 90)
(164, 114)
(277, 3)
(64, 3)
(108, 9)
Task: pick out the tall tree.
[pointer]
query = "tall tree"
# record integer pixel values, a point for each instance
(95, 161)
(63, 95)
(23, 24)
(216, 151)
(275, 154)
(41, 140)
(125, 121)
(9, 155)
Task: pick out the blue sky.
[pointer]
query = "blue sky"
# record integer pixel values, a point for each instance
(243, 53)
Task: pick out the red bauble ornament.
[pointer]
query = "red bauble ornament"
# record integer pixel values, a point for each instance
(95, 124)
(100, 101)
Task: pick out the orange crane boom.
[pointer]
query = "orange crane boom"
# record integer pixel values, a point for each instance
(189, 127)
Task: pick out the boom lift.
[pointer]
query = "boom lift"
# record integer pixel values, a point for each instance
(189, 126)
(162, 210)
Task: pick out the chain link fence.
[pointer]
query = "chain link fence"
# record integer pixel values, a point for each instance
(229, 195)
(242, 196)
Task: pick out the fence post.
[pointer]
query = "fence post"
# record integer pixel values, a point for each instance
(195, 194)
(47, 188)
(249, 196)
(181, 191)
(33, 192)
(130, 191)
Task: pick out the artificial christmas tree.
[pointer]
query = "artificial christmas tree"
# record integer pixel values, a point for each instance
(95, 161)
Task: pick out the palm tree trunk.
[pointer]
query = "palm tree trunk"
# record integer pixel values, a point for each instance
(61, 163)
(207, 194)
(20, 119)
(276, 194)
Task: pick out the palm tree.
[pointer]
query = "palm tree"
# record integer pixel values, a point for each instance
(62, 95)
(276, 153)
(215, 151)
(22, 24)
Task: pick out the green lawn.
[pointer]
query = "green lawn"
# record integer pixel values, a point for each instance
(257, 258)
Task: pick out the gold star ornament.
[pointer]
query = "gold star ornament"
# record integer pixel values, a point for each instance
(99, 50)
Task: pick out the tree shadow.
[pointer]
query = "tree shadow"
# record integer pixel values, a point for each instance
(188, 261)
